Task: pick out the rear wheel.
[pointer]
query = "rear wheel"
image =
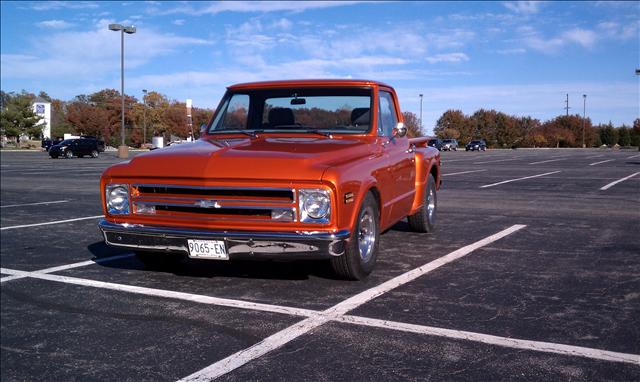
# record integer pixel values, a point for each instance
(157, 259)
(94, 153)
(361, 251)
(424, 220)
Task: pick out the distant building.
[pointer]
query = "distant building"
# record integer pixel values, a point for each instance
(42, 107)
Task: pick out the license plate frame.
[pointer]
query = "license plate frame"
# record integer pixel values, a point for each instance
(207, 249)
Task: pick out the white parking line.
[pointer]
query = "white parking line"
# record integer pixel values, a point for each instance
(547, 161)
(608, 186)
(604, 161)
(53, 222)
(463, 172)
(515, 180)
(495, 161)
(545, 347)
(34, 204)
(64, 267)
(595, 156)
(284, 336)
(164, 293)
(633, 156)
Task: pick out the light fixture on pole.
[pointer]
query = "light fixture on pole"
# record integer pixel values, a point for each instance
(420, 112)
(584, 114)
(123, 150)
(144, 117)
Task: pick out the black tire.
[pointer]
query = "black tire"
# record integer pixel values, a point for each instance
(157, 259)
(353, 265)
(94, 153)
(424, 220)
(68, 154)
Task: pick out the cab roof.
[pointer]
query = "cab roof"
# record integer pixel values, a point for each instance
(308, 82)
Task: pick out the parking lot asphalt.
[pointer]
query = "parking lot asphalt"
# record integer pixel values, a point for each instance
(533, 273)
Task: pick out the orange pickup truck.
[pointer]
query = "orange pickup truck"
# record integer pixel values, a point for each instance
(284, 169)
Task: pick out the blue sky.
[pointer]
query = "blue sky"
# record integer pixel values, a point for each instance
(518, 57)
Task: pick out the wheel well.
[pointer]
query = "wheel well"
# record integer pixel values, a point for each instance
(434, 172)
(376, 194)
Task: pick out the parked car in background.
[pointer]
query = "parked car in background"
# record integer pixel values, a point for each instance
(479, 145)
(450, 144)
(78, 147)
(435, 142)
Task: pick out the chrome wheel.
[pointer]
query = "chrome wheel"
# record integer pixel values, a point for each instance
(431, 204)
(366, 234)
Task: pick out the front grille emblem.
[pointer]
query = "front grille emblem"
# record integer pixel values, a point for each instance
(206, 203)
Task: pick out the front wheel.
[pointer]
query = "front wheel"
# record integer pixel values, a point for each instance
(68, 154)
(361, 251)
(424, 220)
(94, 153)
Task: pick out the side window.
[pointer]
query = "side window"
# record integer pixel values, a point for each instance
(236, 114)
(387, 119)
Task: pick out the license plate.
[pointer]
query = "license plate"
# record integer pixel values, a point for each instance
(207, 249)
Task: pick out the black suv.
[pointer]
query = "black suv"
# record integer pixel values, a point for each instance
(437, 143)
(77, 147)
(479, 145)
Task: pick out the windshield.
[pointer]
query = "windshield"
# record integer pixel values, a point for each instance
(301, 110)
(474, 143)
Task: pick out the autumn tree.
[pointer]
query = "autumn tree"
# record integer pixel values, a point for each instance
(454, 124)
(412, 123)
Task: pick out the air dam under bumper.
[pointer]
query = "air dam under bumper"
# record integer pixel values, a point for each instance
(309, 245)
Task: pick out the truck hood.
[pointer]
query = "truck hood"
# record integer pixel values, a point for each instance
(272, 158)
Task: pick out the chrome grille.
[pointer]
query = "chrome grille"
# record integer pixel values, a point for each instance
(215, 203)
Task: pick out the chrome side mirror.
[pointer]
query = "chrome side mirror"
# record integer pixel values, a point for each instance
(400, 130)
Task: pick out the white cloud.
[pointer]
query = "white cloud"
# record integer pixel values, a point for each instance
(524, 7)
(54, 5)
(282, 23)
(583, 37)
(92, 54)
(448, 57)
(54, 24)
(257, 6)
(577, 36)
(178, 22)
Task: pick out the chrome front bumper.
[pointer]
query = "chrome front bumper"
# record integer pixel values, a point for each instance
(239, 243)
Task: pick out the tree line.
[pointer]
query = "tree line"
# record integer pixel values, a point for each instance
(500, 130)
(99, 114)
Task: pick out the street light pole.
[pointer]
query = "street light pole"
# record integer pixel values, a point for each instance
(144, 117)
(420, 112)
(584, 113)
(123, 150)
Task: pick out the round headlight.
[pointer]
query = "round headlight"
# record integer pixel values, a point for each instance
(118, 198)
(316, 205)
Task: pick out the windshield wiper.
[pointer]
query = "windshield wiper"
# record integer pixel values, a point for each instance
(314, 131)
(251, 133)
